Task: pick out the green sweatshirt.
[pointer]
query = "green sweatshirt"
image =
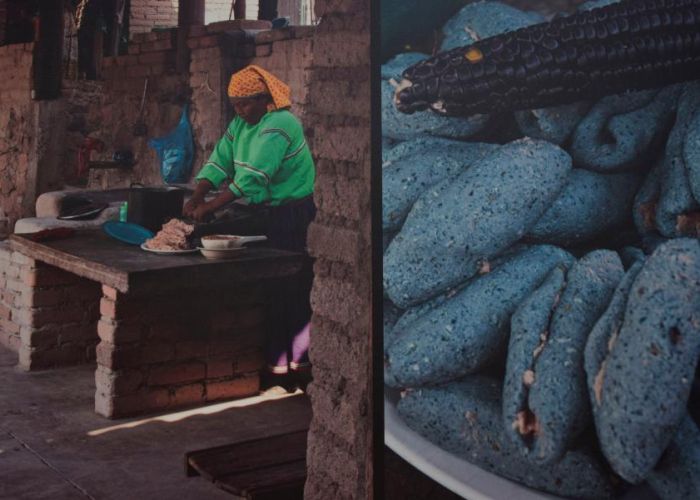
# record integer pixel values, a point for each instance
(266, 162)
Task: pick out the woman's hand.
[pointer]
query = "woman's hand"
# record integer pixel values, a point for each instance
(190, 207)
(201, 211)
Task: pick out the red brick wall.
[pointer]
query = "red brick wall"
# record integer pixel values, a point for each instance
(147, 14)
(112, 116)
(339, 455)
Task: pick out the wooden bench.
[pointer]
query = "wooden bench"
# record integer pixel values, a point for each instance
(259, 469)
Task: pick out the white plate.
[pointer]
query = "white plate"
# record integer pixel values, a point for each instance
(458, 475)
(455, 474)
(223, 253)
(169, 252)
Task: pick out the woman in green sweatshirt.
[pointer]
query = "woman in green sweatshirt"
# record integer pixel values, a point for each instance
(263, 157)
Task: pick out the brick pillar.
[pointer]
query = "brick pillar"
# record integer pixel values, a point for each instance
(169, 351)
(10, 270)
(54, 313)
(339, 454)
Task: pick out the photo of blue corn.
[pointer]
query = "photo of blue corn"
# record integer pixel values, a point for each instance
(542, 270)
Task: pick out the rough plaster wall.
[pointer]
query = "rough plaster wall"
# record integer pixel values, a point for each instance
(339, 455)
(18, 115)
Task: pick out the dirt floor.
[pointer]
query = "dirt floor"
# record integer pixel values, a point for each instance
(52, 444)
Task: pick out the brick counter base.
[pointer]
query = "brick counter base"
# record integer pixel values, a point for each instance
(48, 315)
(177, 349)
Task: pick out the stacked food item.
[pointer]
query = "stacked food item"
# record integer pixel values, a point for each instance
(175, 235)
(542, 282)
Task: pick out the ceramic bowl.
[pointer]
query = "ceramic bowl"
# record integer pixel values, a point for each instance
(227, 241)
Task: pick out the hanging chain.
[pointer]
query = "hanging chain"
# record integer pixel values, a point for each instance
(79, 11)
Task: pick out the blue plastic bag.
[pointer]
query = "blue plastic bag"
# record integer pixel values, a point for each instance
(176, 151)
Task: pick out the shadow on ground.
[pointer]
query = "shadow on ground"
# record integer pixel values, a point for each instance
(52, 444)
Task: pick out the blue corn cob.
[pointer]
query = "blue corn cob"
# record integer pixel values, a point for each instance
(630, 45)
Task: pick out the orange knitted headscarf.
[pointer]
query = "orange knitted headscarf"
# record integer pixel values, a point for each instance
(253, 80)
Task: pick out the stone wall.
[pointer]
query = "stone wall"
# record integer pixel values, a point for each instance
(18, 115)
(339, 455)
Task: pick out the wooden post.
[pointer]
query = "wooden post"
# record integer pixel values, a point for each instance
(3, 20)
(238, 9)
(189, 13)
(267, 10)
(48, 50)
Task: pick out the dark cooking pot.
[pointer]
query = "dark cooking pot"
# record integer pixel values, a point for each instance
(151, 207)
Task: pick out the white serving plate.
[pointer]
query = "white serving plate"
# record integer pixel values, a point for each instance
(458, 475)
(455, 474)
(169, 252)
